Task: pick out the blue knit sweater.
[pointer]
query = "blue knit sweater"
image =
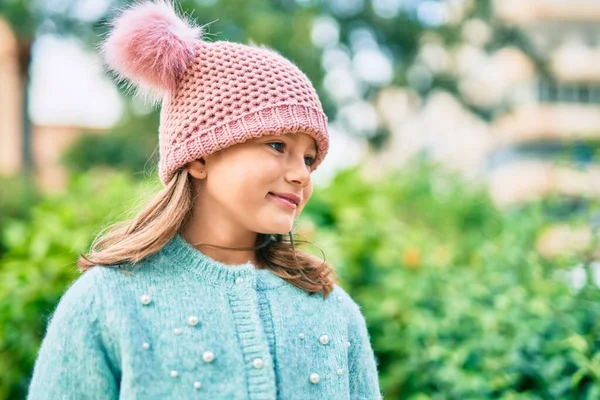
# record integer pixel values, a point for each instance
(184, 326)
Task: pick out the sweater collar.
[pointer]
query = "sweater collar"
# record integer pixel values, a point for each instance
(179, 252)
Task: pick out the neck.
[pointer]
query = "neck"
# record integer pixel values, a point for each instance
(180, 255)
(199, 239)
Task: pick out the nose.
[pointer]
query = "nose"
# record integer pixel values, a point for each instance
(298, 172)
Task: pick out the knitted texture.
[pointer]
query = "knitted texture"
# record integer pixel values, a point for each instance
(223, 94)
(184, 326)
(232, 93)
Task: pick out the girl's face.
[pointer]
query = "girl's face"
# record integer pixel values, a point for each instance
(237, 185)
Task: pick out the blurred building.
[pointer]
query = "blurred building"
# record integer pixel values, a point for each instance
(549, 130)
(439, 128)
(49, 142)
(10, 103)
(547, 138)
(544, 136)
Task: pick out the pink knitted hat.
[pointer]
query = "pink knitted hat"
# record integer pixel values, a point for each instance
(214, 94)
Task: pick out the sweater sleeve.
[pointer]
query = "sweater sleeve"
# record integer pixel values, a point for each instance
(72, 361)
(362, 365)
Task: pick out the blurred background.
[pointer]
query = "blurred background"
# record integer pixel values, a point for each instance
(459, 203)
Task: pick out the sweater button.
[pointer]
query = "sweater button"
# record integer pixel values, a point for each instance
(258, 363)
(301, 336)
(340, 371)
(197, 385)
(208, 356)
(324, 339)
(314, 378)
(145, 345)
(239, 280)
(193, 320)
(145, 299)
(174, 374)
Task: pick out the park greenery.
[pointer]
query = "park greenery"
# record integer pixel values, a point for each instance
(459, 303)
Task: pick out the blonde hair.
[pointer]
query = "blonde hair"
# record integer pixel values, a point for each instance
(167, 212)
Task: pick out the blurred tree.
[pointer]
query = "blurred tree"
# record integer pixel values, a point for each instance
(20, 19)
(420, 39)
(28, 19)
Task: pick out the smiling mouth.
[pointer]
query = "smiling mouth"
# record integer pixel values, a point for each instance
(284, 201)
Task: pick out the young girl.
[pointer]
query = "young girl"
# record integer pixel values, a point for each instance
(201, 296)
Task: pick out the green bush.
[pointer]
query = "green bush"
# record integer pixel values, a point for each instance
(17, 195)
(39, 263)
(131, 147)
(458, 302)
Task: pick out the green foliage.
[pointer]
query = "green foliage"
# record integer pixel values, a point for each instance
(459, 304)
(130, 146)
(17, 195)
(40, 263)
(21, 16)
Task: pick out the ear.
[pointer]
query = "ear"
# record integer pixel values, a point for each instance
(197, 168)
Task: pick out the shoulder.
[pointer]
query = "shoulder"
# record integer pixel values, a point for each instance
(83, 294)
(337, 298)
(80, 316)
(80, 295)
(76, 310)
(80, 291)
(96, 279)
(73, 352)
(348, 304)
(351, 309)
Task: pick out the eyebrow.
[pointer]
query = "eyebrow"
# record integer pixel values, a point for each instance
(313, 147)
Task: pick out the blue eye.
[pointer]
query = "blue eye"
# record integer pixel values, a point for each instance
(279, 143)
(311, 160)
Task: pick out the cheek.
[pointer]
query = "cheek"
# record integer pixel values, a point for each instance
(306, 193)
(233, 185)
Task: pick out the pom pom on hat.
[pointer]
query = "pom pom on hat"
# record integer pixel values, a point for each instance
(214, 94)
(150, 45)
